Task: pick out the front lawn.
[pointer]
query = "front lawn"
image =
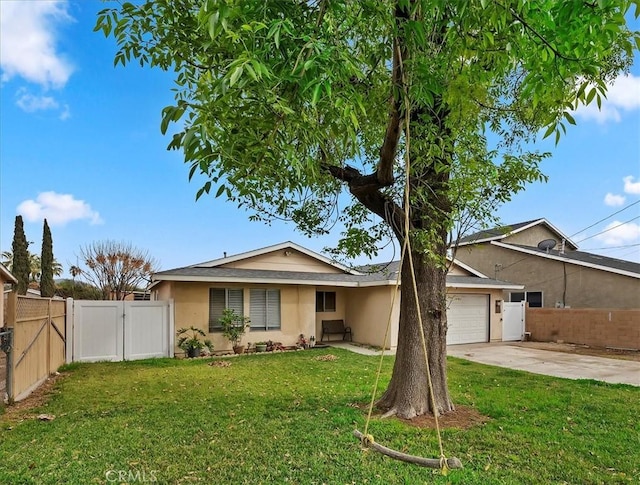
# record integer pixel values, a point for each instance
(288, 418)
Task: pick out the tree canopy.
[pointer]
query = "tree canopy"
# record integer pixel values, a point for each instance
(47, 285)
(275, 99)
(20, 257)
(116, 268)
(421, 112)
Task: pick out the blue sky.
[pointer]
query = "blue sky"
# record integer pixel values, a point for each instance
(80, 144)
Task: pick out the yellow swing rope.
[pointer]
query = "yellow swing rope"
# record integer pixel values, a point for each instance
(406, 249)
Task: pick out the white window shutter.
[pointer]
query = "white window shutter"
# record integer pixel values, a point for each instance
(257, 304)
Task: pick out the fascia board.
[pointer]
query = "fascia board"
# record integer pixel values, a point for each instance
(474, 271)
(490, 286)
(276, 247)
(245, 280)
(567, 260)
(7, 276)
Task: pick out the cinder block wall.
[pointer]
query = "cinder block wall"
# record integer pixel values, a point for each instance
(593, 327)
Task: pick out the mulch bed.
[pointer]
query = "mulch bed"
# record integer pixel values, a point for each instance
(464, 417)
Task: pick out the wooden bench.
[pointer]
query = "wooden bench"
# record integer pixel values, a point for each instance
(335, 327)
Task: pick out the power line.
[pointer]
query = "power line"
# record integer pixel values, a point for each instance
(612, 247)
(608, 217)
(610, 229)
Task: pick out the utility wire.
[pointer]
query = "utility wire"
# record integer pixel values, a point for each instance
(610, 229)
(608, 217)
(612, 247)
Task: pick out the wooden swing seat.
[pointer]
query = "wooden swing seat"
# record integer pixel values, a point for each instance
(452, 463)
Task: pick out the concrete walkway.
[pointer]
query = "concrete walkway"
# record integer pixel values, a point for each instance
(546, 362)
(358, 349)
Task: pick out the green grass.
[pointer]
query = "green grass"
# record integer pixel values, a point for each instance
(288, 418)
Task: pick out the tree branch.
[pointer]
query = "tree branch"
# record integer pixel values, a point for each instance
(526, 25)
(392, 135)
(366, 188)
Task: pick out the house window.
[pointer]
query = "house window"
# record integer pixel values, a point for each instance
(533, 298)
(265, 309)
(325, 301)
(221, 298)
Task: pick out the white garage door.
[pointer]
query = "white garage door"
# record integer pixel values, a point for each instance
(468, 319)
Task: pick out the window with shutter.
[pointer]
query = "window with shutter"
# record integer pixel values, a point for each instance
(221, 298)
(265, 309)
(273, 309)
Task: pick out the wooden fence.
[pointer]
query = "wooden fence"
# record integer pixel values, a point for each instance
(3, 367)
(595, 327)
(38, 341)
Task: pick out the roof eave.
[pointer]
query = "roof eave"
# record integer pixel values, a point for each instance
(244, 279)
(487, 286)
(6, 275)
(276, 247)
(468, 268)
(567, 260)
(534, 223)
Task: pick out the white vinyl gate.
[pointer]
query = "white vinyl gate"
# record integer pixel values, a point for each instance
(513, 321)
(119, 330)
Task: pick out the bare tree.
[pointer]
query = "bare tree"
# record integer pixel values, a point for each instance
(117, 268)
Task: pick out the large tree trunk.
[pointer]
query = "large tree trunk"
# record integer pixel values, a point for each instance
(408, 394)
(429, 210)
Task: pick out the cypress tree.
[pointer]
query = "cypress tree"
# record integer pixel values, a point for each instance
(47, 285)
(20, 267)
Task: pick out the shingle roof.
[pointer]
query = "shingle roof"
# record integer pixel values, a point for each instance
(269, 249)
(495, 232)
(499, 233)
(583, 258)
(383, 274)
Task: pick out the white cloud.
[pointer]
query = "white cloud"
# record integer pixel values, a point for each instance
(28, 42)
(30, 103)
(614, 200)
(58, 209)
(619, 234)
(622, 95)
(66, 113)
(631, 187)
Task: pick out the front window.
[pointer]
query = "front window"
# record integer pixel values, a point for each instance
(265, 309)
(325, 301)
(533, 298)
(221, 298)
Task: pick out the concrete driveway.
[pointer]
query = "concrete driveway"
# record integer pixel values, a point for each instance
(558, 364)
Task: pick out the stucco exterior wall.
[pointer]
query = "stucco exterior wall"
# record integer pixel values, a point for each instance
(3, 279)
(297, 311)
(283, 260)
(585, 287)
(532, 236)
(368, 315)
(4, 295)
(456, 270)
(340, 313)
(163, 291)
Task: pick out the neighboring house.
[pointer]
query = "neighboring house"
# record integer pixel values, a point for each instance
(549, 265)
(6, 278)
(287, 290)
